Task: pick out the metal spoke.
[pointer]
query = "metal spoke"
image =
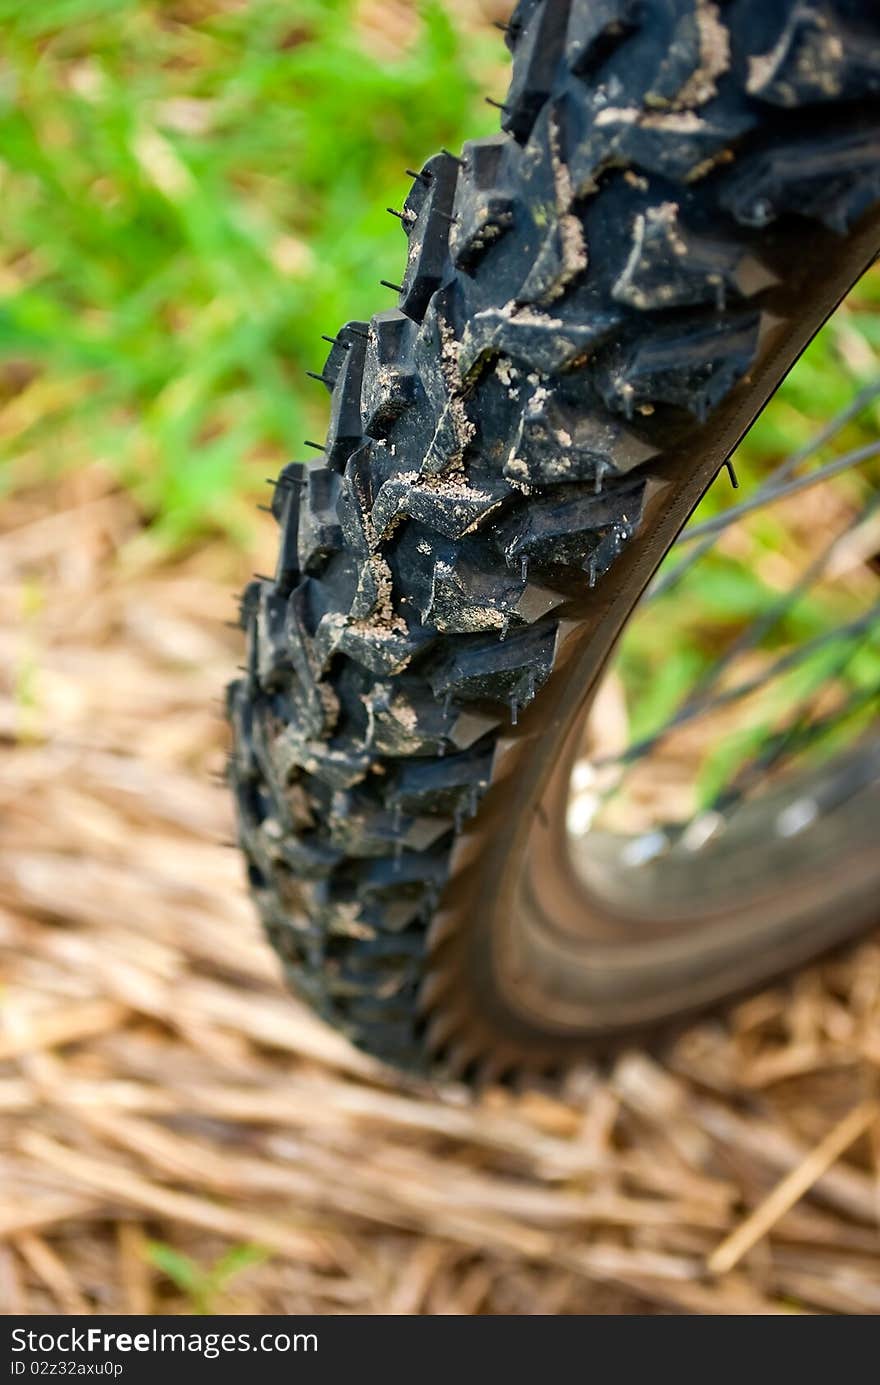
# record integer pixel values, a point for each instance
(788, 744)
(749, 638)
(790, 722)
(781, 473)
(694, 708)
(801, 731)
(770, 496)
(698, 703)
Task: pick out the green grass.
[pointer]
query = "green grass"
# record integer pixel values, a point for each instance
(190, 194)
(204, 1286)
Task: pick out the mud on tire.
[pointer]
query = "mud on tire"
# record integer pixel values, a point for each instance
(581, 291)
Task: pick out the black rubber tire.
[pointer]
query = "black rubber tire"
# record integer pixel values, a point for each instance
(582, 292)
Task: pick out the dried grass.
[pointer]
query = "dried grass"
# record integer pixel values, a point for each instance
(156, 1085)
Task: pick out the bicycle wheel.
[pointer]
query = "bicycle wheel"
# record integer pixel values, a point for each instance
(596, 306)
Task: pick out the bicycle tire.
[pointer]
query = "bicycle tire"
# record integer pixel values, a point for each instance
(596, 304)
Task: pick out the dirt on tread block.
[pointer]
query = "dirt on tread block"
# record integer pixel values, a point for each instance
(580, 291)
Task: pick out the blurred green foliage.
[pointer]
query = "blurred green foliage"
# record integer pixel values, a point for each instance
(190, 194)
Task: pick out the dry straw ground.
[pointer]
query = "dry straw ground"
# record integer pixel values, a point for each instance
(163, 1103)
